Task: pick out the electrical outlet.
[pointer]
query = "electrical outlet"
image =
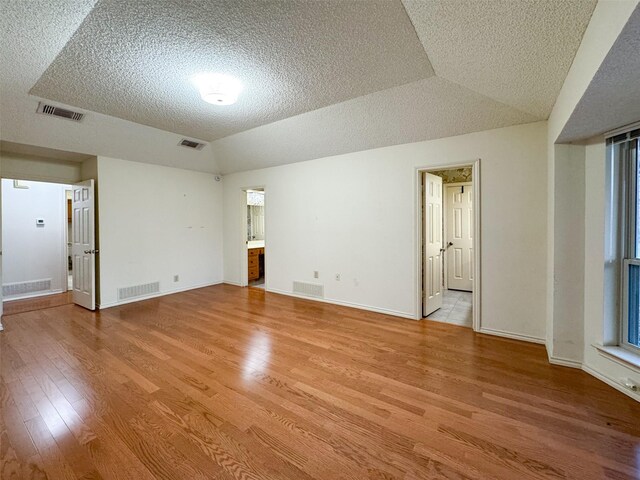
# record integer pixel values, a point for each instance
(630, 384)
(316, 274)
(337, 277)
(176, 278)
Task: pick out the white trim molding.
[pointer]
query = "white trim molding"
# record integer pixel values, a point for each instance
(611, 382)
(565, 362)
(620, 355)
(156, 295)
(616, 354)
(384, 311)
(512, 336)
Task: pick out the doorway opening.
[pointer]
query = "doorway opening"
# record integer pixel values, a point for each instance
(36, 262)
(449, 240)
(255, 237)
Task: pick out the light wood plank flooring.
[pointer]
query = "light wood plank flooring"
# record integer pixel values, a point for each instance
(11, 307)
(231, 383)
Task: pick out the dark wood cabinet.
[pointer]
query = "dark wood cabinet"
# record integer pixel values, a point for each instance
(254, 262)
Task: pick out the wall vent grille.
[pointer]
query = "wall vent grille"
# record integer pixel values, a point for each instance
(308, 289)
(135, 291)
(23, 288)
(191, 144)
(59, 112)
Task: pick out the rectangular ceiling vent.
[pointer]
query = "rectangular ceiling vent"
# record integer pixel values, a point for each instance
(136, 291)
(46, 109)
(191, 144)
(308, 289)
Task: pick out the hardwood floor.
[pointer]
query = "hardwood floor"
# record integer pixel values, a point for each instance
(12, 307)
(231, 383)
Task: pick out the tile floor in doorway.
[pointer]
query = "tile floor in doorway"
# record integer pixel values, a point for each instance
(259, 283)
(456, 308)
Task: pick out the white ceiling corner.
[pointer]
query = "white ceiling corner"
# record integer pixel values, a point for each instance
(516, 52)
(612, 97)
(42, 28)
(42, 152)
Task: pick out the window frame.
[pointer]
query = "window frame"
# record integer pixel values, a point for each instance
(625, 152)
(624, 333)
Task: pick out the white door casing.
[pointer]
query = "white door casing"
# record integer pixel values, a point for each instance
(1, 307)
(459, 208)
(432, 240)
(83, 248)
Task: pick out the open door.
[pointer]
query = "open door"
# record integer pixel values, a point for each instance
(83, 248)
(432, 240)
(1, 309)
(460, 237)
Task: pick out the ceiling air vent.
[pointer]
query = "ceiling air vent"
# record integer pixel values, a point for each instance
(59, 112)
(191, 144)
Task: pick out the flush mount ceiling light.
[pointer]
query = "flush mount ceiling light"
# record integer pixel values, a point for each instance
(217, 88)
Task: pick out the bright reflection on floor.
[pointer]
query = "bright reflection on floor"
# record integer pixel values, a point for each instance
(258, 353)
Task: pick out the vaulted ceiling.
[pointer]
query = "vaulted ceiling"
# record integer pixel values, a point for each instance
(320, 77)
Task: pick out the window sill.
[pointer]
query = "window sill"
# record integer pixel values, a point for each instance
(620, 355)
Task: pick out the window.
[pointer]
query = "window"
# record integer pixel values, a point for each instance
(624, 151)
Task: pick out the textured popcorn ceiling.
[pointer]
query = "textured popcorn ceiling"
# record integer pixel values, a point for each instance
(321, 77)
(611, 100)
(515, 51)
(426, 109)
(33, 32)
(134, 59)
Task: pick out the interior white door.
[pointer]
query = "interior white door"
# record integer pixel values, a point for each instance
(459, 205)
(1, 309)
(432, 268)
(83, 247)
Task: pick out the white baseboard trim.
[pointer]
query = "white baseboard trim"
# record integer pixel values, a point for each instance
(611, 382)
(235, 284)
(513, 336)
(155, 295)
(565, 362)
(359, 306)
(594, 373)
(33, 295)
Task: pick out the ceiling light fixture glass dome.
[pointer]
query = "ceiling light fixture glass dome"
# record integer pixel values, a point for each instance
(218, 89)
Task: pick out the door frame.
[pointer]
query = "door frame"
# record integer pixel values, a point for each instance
(67, 243)
(244, 261)
(64, 273)
(445, 271)
(477, 241)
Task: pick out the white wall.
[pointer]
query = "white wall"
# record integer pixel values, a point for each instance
(41, 169)
(33, 253)
(576, 316)
(606, 23)
(156, 222)
(597, 322)
(568, 229)
(355, 215)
